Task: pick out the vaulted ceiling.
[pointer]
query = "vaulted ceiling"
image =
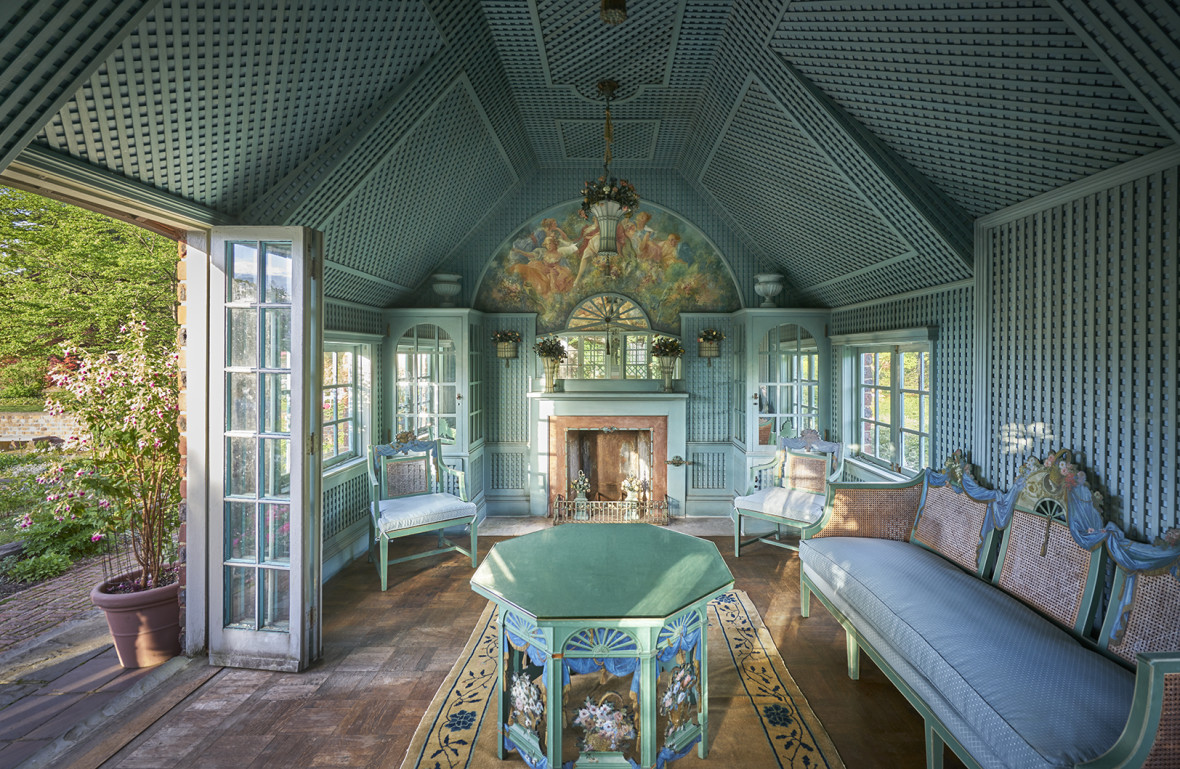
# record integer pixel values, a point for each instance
(846, 145)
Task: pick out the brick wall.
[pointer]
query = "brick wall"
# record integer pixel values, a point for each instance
(19, 427)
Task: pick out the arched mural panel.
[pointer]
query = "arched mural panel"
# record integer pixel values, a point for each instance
(551, 264)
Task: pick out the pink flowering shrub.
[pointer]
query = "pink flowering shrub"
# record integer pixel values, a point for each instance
(127, 402)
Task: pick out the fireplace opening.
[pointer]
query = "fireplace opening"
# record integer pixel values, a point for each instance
(608, 456)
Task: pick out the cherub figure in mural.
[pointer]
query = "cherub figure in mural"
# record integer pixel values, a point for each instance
(670, 250)
(546, 269)
(633, 233)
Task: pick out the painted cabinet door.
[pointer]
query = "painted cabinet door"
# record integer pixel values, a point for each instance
(265, 348)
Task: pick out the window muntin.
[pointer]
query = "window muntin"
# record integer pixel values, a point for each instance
(608, 337)
(426, 373)
(788, 383)
(894, 418)
(345, 382)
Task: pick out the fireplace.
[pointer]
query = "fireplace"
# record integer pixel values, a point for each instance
(608, 455)
(648, 426)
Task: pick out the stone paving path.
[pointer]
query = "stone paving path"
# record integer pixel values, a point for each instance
(56, 601)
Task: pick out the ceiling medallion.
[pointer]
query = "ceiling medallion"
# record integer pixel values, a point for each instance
(613, 11)
(608, 198)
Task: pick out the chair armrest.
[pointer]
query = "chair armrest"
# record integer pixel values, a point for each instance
(775, 464)
(460, 475)
(880, 510)
(1149, 738)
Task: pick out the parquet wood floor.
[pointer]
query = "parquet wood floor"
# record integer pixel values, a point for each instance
(385, 655)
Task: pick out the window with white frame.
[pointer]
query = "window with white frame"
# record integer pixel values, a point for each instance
(893, 395)
(346, 385)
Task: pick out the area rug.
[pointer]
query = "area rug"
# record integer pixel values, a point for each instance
(757, 715)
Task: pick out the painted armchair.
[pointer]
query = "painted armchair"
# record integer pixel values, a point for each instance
(408, 497)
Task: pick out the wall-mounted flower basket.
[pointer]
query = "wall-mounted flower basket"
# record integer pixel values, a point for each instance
(506, 350)
(709, 344)
(507, 343)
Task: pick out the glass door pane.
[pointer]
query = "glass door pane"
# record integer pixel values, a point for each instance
(264, 511)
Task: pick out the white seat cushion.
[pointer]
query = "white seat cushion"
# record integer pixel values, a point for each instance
(790, 504)
(419, 510)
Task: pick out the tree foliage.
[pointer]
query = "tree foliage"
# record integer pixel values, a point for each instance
(71, 276)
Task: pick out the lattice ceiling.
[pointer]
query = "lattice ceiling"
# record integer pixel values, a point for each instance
(333, 113)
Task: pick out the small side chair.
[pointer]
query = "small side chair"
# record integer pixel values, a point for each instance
(408, 497)
(795, 491)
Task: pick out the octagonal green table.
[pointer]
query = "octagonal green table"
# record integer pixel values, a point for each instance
(629, 597)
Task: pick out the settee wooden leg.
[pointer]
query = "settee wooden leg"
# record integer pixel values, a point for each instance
(804, 598)
(737, 534)
(853, 648)
(474, 544)
(934, 751)
(383, 564)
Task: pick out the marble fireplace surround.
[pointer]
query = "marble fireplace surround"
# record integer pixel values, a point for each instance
(555, 414)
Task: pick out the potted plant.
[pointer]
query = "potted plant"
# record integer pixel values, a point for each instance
(506, 344)
(127, 403)
(709, 344)
(666, 350)
(552, 352)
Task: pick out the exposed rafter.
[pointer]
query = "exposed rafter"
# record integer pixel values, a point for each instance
(1136, 48)
(47, 55)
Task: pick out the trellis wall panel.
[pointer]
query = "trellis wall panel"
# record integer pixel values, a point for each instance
(788, 164)
(1083, 341)
(709, 387)
(951, 310)
(660, 57)
(550, 186)
(402, 244)
(993, 101)
(1141, 40)
(315, 192)
(507, 386)
(47, 49)
(219, 103)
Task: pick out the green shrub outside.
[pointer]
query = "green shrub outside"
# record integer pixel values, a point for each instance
(56, 531)
(23, 378)
(22, 405)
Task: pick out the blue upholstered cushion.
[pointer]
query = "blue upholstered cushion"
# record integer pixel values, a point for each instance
(1028, 689)
(792, 504)
(408, 512)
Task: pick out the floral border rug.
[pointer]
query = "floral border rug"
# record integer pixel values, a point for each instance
(757, 715)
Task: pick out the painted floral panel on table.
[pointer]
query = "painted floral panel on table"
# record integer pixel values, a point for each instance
(664, 263)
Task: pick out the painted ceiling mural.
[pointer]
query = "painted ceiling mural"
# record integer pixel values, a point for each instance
(664, 264)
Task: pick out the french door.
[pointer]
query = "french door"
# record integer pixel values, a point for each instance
(265, 349)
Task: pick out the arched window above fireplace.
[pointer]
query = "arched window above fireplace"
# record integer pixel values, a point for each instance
(608, 336)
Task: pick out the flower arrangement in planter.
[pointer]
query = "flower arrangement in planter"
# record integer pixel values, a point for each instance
(709, 344)
(127, 403)
(606, 725)
(506, 343)
(611, 189)
(581, 484)
(666, 347)
(506, 336)
(550, 347)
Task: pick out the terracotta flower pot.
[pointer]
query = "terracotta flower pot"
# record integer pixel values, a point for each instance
(145, 625)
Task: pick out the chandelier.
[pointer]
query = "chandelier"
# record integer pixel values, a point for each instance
(609, 199)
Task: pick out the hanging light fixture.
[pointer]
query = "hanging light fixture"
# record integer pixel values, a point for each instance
(609, 199)
(613, 11)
